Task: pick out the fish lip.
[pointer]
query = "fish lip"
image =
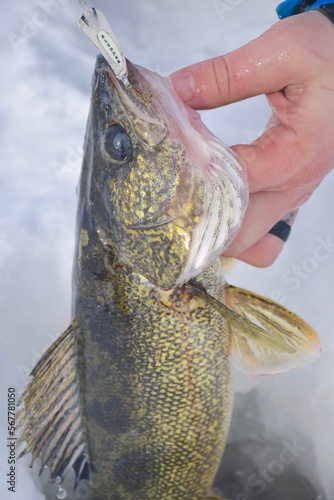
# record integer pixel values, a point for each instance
(101, 61)
(101, 70)
(137, 101)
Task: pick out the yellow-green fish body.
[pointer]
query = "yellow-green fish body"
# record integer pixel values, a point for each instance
(137, 394)
(153, 364)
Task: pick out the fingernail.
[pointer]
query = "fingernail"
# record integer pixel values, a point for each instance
(184, 84)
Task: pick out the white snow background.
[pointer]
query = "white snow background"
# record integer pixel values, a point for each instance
(46, 70)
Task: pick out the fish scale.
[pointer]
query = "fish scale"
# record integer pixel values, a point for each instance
(165, 408)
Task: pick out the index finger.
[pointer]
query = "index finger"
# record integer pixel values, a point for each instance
(263, 66)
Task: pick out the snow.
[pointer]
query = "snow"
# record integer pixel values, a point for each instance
(46, 72)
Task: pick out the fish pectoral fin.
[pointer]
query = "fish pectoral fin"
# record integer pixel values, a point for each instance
(276, 339)
(266, 338)
(49, 418)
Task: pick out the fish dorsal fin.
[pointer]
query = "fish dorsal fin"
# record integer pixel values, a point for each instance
(50, 419)
(266, 338)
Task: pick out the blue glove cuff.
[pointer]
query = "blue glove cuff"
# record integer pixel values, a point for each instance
(291, 7)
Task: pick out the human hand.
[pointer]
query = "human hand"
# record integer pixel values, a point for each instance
(293, 64)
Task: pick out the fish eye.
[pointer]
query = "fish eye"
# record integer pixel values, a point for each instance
(117, 145)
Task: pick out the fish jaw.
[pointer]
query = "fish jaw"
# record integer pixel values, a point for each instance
(226, 187)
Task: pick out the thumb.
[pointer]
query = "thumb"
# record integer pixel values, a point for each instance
(262, 66)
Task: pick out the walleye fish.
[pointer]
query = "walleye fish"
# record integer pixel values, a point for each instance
(136, 395)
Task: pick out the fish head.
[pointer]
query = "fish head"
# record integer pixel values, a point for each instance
(171, 195)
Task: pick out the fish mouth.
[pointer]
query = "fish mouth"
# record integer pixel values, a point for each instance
(138, 103)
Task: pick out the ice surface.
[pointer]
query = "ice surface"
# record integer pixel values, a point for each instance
(45, 92)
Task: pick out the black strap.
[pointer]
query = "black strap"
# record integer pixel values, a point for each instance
(303, 5)
(328, 10)
(281, 229)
